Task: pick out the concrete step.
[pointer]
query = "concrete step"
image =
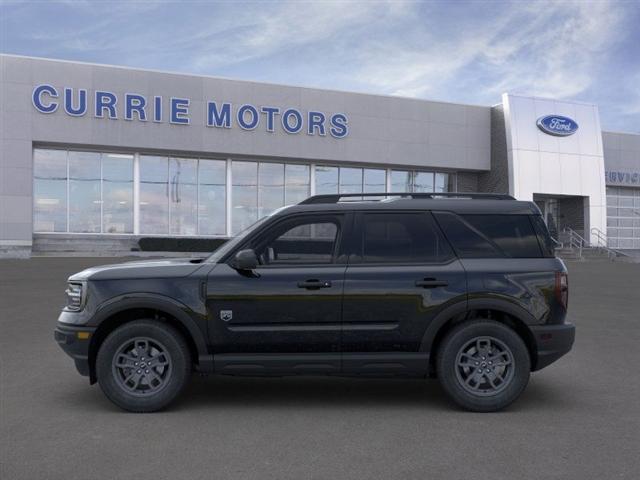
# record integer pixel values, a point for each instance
(594, 253)
(81, 245)
(116, 253)
(567, 253)
(573, 258)
(105, 245)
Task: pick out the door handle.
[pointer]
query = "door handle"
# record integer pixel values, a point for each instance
(314, 284)
(431, 283)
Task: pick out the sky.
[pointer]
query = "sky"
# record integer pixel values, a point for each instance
(456, 51)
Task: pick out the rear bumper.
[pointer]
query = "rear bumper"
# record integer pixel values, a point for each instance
(72, 340)
(552, 342)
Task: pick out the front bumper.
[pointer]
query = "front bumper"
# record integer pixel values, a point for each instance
(552, 342)
(75, 342)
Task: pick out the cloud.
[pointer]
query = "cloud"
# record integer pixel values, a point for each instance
(546, 49)
(463, 51)
(560, 55)
(258, 33)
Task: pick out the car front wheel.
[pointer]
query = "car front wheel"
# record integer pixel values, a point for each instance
(483, 365)
(143, 365)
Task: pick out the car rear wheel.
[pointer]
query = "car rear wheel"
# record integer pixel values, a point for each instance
(483, 365)
(143, 365)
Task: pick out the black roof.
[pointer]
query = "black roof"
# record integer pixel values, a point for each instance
(458, 203)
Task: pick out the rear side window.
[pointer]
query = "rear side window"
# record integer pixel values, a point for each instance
(402, 238)
(467, 241)
(489, 236)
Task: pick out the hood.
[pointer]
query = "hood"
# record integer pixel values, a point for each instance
(164, 268)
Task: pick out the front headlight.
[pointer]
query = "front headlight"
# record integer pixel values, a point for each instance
(75, 296)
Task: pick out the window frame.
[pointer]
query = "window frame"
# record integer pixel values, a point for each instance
(355, 257)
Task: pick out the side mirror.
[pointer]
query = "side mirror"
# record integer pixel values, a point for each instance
(245, 260)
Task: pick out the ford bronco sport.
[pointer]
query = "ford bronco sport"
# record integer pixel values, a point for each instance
(463, 287)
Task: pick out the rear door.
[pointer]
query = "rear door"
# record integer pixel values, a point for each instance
(401, 274)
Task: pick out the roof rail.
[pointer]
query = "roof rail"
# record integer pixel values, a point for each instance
(335, 197)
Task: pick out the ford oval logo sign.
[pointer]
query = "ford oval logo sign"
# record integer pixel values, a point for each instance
(557, 125)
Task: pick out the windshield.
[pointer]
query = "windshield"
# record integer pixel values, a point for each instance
(229, 245)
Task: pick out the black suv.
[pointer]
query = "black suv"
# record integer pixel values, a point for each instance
(464, 287)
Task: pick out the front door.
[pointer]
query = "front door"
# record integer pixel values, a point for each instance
(291, 303)
(402, 275)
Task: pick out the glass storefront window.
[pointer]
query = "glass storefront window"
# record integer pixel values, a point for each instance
(445, 182)
(326, 180)
(423, 182)
(244, 195)
(92, 192)
(154, 195)
(183, 196)
(350, 180)
(270, 188)
(49, 190)
(212, 197)
(85, 203)
(418, 181)
(400, 181)
(296, 183)
(374, 181)
(117, 193)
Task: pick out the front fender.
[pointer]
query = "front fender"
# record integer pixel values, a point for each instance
(197, 328)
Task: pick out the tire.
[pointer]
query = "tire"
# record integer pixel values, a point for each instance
(143, 365)
(494, 350)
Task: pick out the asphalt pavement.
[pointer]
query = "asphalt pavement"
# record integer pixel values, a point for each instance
(578, 419)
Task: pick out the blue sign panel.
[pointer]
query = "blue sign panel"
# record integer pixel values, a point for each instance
(613, 177)
(136, 107)
(557, 125)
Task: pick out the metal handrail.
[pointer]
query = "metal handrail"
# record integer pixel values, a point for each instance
(575, 240)
(600, 235)
(578, 242)
(602, 243)
(575, 235)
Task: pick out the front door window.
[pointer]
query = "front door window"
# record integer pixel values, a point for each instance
(310, 241)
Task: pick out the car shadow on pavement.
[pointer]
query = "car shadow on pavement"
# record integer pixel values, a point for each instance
(327, 392)
(318, 392)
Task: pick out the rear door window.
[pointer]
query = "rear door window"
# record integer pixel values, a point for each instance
(402, 237)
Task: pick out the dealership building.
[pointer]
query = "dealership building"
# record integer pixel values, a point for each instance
(93, 157)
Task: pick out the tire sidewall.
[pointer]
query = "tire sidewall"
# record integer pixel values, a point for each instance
(177, 349)
(460, 336)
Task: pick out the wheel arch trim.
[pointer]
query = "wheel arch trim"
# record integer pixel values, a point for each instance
(487, 303)
(152, 301)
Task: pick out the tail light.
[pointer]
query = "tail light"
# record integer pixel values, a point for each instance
(562, 288)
